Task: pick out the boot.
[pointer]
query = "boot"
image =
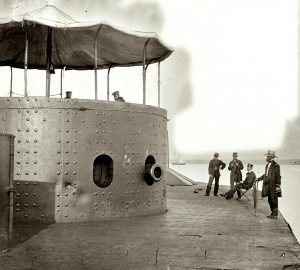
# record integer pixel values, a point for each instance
(208, 188)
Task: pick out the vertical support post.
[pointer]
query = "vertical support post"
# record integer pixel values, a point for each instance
(48, 61)
(61, 83)
(158, 84)
(144, 71)
(11, 192)
(25, 63)
(11, 82)
(108, 73)
(96, 62)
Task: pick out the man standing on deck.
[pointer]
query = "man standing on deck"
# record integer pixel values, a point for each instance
(271, 183)
(214, 173)
(235, 166)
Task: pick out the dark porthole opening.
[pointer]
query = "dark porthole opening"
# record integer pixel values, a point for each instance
(150, 161)
(103, 171)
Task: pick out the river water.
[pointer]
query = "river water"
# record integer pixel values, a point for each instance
(289, 204)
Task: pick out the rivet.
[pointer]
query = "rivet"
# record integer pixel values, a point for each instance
(34, 205)
(57, 194)
(34, 194)
(97, 113)
(81, 214)
(26, 173)
(96, 131)
(18, 173)
(82, 120)
(75, 141)
(74, 173)
(58, 151)
(66, 215)
(95, 193)
(103, 193)
(27, 129)
(35, 130)
(96, 152)
(18, 183)
(17, 205)
(18, 162)
(35, 111)
(66, 194)
(96, 208)
(74, 162)
(59, 141)
(35, 173)
(58, 173)
(27, 141)
(68, 120)
(59, 130)
(18, 194)
(19, 129)
(17, 210)
(66, 205)
(26, 194)
(66, 162)
(74, 152)
(67, 141)
(58, 162)
(75, 130)
(42, 215)
(27, 119)
(67, 130)
(36, 99)
(96, 141)
(27, 162)
(19, 141)
(34, 183)
(44, 119)
(35, 151)
(66, 173)
(57, 210)
(25, 216)
(35, 140)
(67, 152)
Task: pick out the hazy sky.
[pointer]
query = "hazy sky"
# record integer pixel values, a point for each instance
(230, 85)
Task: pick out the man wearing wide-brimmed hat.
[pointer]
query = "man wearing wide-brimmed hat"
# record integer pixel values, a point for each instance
(214, 173)
(235, 166)
(271, 183)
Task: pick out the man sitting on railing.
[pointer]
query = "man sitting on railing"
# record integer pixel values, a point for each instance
(117, 96)
(246, 184)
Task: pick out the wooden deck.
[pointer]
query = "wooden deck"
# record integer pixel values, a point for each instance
(197, 232)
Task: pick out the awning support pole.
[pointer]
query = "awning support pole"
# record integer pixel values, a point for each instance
(11, 82)
(158, 84)
(108, 73)
(144, 71)
(96, 62)
(48, 61)
(25, 63)
(61, 83)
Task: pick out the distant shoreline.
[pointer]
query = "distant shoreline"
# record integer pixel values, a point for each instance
(255, 161)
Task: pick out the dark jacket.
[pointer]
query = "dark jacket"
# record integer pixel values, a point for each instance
(214, 166)
(235, 166)
(271, 179)
(249, 180)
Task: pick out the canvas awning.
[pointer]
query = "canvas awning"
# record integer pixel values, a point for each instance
(73, 43)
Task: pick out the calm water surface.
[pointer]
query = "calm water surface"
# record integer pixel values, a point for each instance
(290, 183)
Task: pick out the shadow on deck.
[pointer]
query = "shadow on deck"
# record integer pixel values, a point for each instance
(197, 232)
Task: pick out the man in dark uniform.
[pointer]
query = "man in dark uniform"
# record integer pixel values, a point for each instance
(246, 184)
(117, 96)
(235, 166)
(214, 173)
(271, 183)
